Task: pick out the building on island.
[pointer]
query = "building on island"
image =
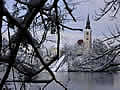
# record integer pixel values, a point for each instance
(86, 43)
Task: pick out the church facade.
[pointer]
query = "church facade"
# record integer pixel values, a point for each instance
(86, 42)
(88, 35)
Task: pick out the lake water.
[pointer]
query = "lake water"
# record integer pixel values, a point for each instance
(85, 81)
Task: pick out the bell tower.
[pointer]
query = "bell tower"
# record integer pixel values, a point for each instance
(87, 35)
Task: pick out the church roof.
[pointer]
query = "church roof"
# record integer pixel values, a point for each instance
(88, 23)
(80, 42)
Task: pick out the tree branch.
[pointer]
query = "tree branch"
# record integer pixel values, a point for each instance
(69, 10)
(74, 29)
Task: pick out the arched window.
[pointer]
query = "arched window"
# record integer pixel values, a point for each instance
(87, 33)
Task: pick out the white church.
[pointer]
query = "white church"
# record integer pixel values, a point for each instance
(86, 42)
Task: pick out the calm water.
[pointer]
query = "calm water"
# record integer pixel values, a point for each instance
(85, 81)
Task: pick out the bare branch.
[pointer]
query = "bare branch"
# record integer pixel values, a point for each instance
(69, 10)
(74, 29)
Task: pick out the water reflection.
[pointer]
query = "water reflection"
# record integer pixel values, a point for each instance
(90, 81)
(87, 81)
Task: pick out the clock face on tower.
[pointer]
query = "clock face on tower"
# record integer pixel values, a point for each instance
(86, 38)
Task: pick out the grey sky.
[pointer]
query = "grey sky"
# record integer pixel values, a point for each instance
(104, 25)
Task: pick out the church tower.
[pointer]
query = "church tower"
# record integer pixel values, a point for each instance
(87, 35)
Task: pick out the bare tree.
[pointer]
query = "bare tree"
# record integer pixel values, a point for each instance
(21, 27)
(112, 8)
(98, 58)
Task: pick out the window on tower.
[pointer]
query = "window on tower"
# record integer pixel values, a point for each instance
(87, 33)
(86, 38)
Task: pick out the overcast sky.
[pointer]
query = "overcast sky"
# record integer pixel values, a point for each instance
(81, 11)
(104, 25)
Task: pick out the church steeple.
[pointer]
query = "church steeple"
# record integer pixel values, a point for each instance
(88, 23)
(87, 35)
